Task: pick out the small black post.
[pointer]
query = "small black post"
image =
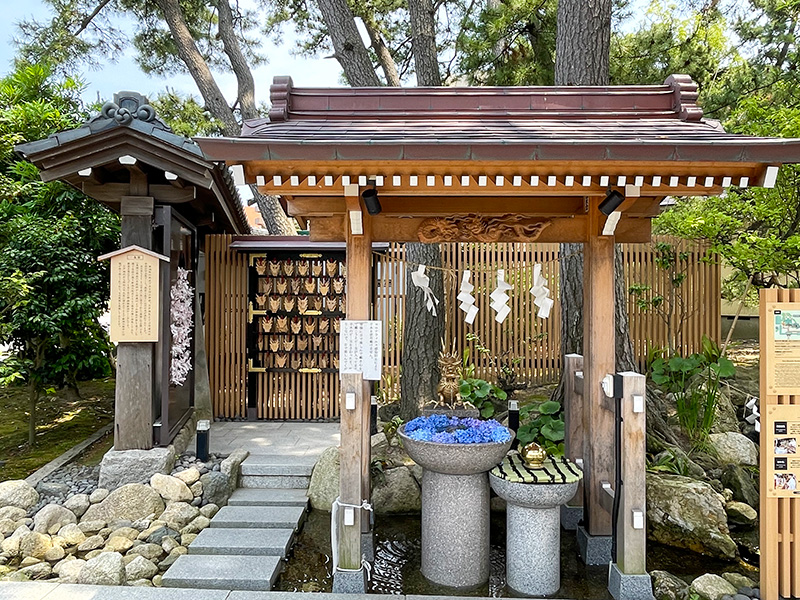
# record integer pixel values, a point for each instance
(373, 415)
(203, 429)
(513, 419)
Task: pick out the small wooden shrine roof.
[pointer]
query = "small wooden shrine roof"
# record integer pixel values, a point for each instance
(449, 161)
(126, 138)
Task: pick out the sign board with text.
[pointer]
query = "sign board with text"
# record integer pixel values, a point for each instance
(361, 348)
(782, 348)
(782, 429)
(134, 294)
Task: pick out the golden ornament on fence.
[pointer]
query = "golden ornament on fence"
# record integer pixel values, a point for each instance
(309, 362)
(330, 303)
(261, 301)
(302, 304)
(336, 324)
(310, 285)
(266, 324)
(297, 286)
(317, 303)
(288, 303)
(323, 361)
(296, 362)
(317, 339)
(338, 285)
(288, 267)
(316, 269)
(282, 285)
(261, 265)
(275, 344)
(335, 362)
(265, 285)
(288, 343)
(323, 325)
(281, 360)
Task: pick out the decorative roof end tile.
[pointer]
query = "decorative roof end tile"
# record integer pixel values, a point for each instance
(280, 96)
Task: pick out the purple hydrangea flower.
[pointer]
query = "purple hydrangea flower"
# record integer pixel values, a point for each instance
(453, 430)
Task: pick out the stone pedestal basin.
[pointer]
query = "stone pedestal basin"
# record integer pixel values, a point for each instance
(533, 528)
(455, 508)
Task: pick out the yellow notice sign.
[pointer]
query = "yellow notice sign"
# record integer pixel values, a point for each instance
(134, 294)
(783, 461)
(782, 348)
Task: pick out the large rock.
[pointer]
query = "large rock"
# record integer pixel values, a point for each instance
(148, 551)
(741, 484)
(51, 518)
(397, 493)
(725, 418)
(230, 467)
(741, 513)
(35, 544)
(668, 587)
(72, 534)
(188, 476)
(10, 545)
(38, 571)
(17, 492)
(216, 488)
(171, 488)
(711, 587)
(107, 568)
(13, 513)
(78, 504)
(132, 501)
(140, 568)
(323, 488)
(134, 466)
(178, 515)
(734, 448)
(69, 571)
(686, 513)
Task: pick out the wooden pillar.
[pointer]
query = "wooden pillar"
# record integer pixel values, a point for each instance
(574, 415)
(631, 532)
(355, 440)
(133, 399)
(599, 360)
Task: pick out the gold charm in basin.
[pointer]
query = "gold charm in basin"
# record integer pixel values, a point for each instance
(533, 455)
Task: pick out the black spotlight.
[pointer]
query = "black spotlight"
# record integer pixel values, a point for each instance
(611, 203)
(370, 196)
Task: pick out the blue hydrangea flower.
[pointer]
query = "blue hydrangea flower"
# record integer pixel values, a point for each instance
(453, 430)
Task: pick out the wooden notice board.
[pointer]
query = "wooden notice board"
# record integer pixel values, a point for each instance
(134, 294)
(782, 348)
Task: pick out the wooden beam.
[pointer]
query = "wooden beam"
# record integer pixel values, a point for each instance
(573, 416)
(599, 360)
(110, 193)
(398, 229)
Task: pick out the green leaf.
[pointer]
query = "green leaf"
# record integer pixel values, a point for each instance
(551, 407)
(488, 410)
(554, 431)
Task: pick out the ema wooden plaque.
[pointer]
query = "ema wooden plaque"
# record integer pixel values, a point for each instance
(134, 294)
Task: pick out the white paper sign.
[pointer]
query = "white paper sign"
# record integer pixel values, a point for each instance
(361, 348)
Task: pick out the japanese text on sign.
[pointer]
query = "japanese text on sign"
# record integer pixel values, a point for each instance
(360, 348)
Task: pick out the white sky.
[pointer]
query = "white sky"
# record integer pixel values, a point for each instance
(125, 74)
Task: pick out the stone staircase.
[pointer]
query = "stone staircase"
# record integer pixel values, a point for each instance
(248, 540)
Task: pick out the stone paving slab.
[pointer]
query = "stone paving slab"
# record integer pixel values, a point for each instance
(272, 437)
(317, 596)
(36, 590)
(252, 542)
(223, 572)
(268, 497)
(274, 481)
(32, 590)
(278, 464)
(259, 517)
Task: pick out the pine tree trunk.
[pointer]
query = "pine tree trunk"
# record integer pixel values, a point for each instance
(275, 219)
(422, 333)
(197, 67)
(244, 77)
(350, 50)
(582, 54)
(422, 20)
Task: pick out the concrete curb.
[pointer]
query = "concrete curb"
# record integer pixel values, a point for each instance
(68, 456)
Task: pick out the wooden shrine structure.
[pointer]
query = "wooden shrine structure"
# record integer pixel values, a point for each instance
(169, 197)
(586, 165)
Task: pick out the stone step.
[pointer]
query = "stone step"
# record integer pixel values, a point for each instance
(274, 481)
(275, 464)
(233, 572)
(268, 497)
(250, 542)
(259, 517)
